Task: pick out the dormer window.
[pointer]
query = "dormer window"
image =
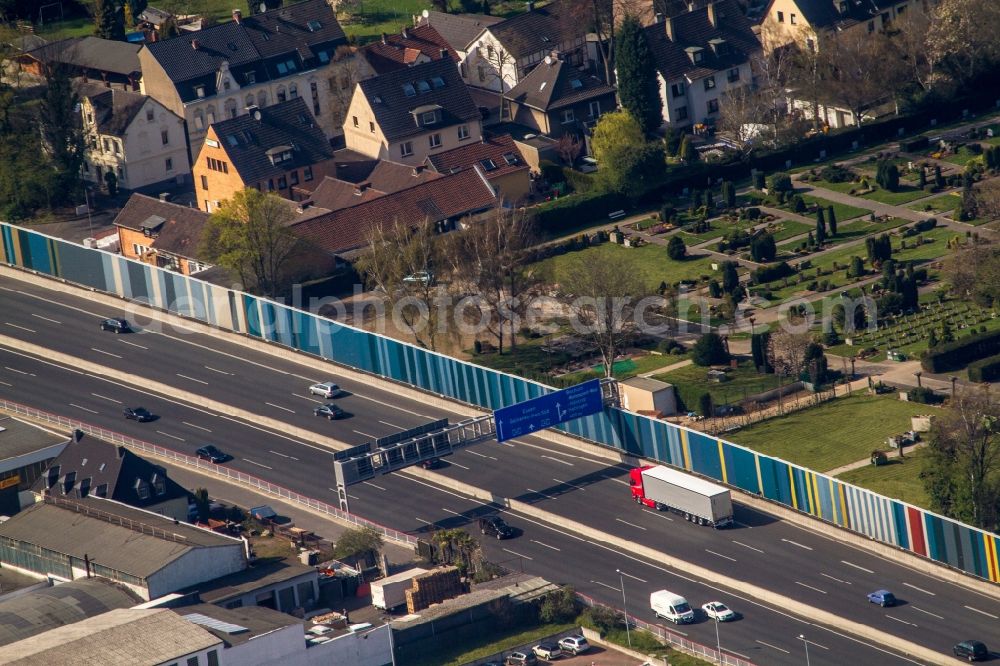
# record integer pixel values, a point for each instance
(199, 91)
(159, 485)
(251, 77)
(280, 154)
(225, 83)
(576, 84)
(409, 90)
(437, 82)
(695, 53)
(719, 46)
(314, 25)
(428, 118)
(324, 56)
(423, 86)
(141, 489)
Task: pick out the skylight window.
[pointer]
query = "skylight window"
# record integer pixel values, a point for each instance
(409, 90)
(489, 164)
(323, 56)
(510, 158)
(314, 25)
(232, 140)
(437, 82)
(576, 84)
(423, 86)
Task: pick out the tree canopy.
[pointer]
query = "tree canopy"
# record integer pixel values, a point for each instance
(637, 83)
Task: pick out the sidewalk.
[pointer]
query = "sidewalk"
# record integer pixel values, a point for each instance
(675, 366)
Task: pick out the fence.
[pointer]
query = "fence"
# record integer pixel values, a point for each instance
(890, 521)
(232, 475)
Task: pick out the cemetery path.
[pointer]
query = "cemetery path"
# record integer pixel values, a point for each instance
(858, 464)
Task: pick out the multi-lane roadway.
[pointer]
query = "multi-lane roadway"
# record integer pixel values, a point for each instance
(761, 550)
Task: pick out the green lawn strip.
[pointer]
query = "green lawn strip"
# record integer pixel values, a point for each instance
(625, 369)
(862, 227)
(903, 195)
(937, 247)
(465, 651)
(791, 228)
(843, 188)
(75, 27)
(940, 204)
(899, 478)
(650, 262)
(963, 157)
(692, 381)
(843, 212)
(833, 433)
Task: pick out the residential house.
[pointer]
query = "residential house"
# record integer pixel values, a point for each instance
(700, 55)
(504, 53)
(161, 233)
(355, 184)
(218, 73)
(457, 30)
(808, 22)
(272, 149)
(410, 113)
(91, 467)
(556, 98)
(134, 137)
(412, 46)
(444, 201)
(112, 63)
(498, 159)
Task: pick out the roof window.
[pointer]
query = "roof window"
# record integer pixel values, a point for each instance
(423, 86)
(409, 90)
(437, 82)
(489, 164)
(314, 25)
(576, 84)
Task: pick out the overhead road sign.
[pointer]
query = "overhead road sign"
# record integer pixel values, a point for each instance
(548, 410)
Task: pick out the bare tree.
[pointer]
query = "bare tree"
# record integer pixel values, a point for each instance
(849, 65)
(974, 272)
(345, 73)
(742, 112)
(596, 16)
(786, 351)
(501, 63)
(909, 42)
(962, 36)
(568, 147)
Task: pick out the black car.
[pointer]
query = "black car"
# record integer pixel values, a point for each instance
(140, 414)
(432, 463)
(116, 325)
(330, 411)
(971, 650)
(495, 526)
(213, 455)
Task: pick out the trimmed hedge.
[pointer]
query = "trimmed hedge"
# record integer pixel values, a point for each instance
(772, 272)
(953, 355)
(577, 210)
(986, 370)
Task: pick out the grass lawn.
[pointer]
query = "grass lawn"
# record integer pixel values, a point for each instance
(791, 228)
(928, 250)
(843, 188)
(833, 433)
(377, 16)
(962, 157)
(905, 194)
(691, 381)
(527, 357)
(945, 203)
(463, 652)
(75, 27)
(899, 479)
(627, 368)
(843, 212)
(650, 263)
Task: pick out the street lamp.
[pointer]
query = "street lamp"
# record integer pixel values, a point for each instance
(806, 643)
(918, 373)
(628, 633)
(718, 641)
(953, 380)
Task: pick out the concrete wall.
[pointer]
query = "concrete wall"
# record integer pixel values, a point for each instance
(197, 566)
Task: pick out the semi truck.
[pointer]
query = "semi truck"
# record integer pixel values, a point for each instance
(390, 592)
(699, 501)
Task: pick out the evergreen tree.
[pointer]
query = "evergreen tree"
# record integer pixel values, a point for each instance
(758, 349)
(763, 248)
(709, 201)
(758, 180)
(676, 249)
(705, 405)
(729, 194)
(638, 90)
(709, 350)
(831, 220)
(810, 240)
(922, 178)
(857, 267)
(820, 227)
(730, 278)
(687, 151)
(938, 177)
(110, 19)
(932, 339)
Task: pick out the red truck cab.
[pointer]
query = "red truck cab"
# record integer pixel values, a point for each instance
(635, 482)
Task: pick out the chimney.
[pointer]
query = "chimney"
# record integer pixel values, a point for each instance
(303, 205)
(361, 188)
(385, 38)
(530, 5)
(668, 26)
(405, 34)
(194, 44)
(417, 170)
(444, 54)
(659, 17)
(165, 196)
(712, 18)
(237, 15)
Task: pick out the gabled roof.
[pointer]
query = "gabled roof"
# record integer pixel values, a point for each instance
(387, 177)
(84, 467)
(495, 157)
(454, 196)
(695, 30)
(396, 97)
(305, 34)
(180, 232)
(251, 140)
(541, 29)
(105, 55)
(822, 14)
(554, 84)
(459, 29)
(114, 110)
(403, 50)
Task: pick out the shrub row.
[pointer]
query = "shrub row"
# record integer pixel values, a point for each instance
(772, 272)
(953, 355)
(925, 225)
(577, 211)
(986, 370)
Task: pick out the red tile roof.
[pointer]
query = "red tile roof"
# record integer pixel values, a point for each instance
(398, 51)
(496, 156)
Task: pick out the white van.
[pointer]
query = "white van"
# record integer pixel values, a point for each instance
(670, 606)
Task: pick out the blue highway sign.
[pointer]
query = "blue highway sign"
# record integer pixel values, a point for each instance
(548, 410)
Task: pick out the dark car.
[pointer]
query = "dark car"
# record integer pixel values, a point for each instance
(140, 414)
(882, 597)
(495, 526)
(116, 325)
(432, 463)
(971, 650)
(213, 455)
(330, 411)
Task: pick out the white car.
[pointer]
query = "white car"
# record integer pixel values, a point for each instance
(326, 389)
(574, 644)
(719, 611)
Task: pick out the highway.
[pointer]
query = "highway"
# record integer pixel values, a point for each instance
(760, 550)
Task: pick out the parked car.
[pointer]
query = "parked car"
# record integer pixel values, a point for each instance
(212, 454)
(326, 389)
(882, 597)
(718, 611)
(116, 325)
(521, 659)
(140, 414)
(574, 644)
(547, 651)
(495, 526)
(971, 650)
(432, 463)
(425, 278)
(330, 411)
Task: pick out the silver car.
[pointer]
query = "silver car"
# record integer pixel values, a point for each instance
(326, 389)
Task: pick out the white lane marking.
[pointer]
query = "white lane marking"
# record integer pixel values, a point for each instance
(179, 439)
(917, 608)
(421, 520)
(221, 372)
(196, 426)
(749, 527)
(271, 404)
(857, 566)
(892, 617)
(506, 444)
(920, 589)
(774, 646)
(725, 557)
(6, 384)
(740, 543)
(191, 378)
(23, 328)
(364, 434)
(106, 353)
(45, 318)
(476, 453)
(104, 397)
(308, 397)
(126, 342)
(392, 425)
(567, 483)
(657, 514)
(547, 545)
(796, 543)
(624, 483)
(597, 582)
(638, 527)
(811, 587)
(447, 510)
(283, 455)
(982, 612)
(564, 462)
(369, 483)
(20, 372)
(816, 644)
(633, 577)
(836, 579)
(537, 492)
(351, 496)
(83, 408)
(252, 462)
(452, 462)
(518, 554)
